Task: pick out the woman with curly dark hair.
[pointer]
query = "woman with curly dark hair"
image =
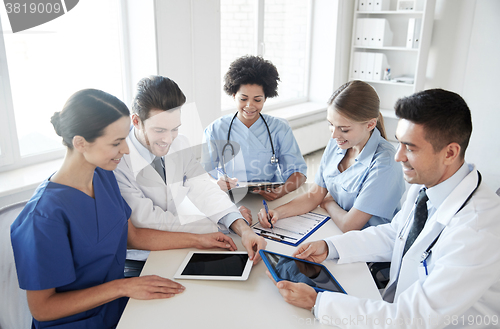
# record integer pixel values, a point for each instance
(249, 146)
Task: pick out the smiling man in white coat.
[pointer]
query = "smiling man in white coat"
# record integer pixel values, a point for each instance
(444, 244)
(163, 183)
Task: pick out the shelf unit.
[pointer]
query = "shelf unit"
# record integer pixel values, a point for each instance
(403, 61)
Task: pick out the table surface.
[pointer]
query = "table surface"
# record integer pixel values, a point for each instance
(255, 303)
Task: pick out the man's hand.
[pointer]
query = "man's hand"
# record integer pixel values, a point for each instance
(316, 251)
(226, 183)
(251, 241)
(215, 240)
(297, 294)
(246, 213)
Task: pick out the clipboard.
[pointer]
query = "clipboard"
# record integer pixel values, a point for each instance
(292, 230)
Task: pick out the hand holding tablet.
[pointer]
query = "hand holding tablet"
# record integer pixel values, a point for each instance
(296, 270)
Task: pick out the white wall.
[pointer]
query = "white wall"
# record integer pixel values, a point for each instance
(464, 58)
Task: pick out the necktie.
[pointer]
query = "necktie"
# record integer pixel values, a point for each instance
(419, 219)
(158, 165)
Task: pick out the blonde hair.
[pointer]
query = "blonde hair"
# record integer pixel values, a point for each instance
(358, 101)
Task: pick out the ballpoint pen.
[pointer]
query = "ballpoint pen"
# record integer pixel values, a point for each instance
(267, 213)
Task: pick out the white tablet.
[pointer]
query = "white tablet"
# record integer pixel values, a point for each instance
(215, 265)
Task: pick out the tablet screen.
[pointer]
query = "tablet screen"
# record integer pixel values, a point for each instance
(205, 264)
(296, 270)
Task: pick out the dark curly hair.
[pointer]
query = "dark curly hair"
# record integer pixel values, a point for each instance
(249, 70)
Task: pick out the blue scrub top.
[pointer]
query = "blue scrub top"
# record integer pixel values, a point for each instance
(252, 150)
(67, 240)
(374, 184)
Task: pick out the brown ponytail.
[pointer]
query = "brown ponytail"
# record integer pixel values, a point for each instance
(359, 102)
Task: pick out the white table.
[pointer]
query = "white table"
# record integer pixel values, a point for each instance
(255, 303)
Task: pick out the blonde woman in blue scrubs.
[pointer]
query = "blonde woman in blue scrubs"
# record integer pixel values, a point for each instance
(248, 145)
(359, 183)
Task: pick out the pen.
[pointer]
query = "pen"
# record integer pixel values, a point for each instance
(267, 213)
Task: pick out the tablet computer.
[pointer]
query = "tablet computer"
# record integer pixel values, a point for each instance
(256, 186)
(292, 269)
(215, 265)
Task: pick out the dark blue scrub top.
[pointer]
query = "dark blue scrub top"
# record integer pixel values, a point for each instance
(65, 239)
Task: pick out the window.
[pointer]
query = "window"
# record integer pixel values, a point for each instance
(42, 66)
(279, 31)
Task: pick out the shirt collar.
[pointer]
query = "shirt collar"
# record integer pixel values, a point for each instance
(143, 151)
(366, 155)
(437, 194)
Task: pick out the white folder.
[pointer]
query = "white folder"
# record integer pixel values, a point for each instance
(416, 32)
(355, 66)
(369, 5)
(383, 32)
(366, 32)
(358, 39)
(410, 33)
(379, 66)
(362, 66)
(380, 5)
(369, 65)
(362, 5)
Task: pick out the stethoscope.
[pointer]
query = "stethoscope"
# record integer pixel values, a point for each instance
(428, 251)
(274, 159)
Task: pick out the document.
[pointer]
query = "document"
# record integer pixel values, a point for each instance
(292, 230)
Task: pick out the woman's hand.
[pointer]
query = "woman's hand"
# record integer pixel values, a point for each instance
(327, 201)
(264, 220)
(316, 251)
(215, 240)
(226, 183)
(151, 287)
(271, 194)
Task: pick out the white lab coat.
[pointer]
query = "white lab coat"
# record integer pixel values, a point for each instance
(463, 282)
(159, 206)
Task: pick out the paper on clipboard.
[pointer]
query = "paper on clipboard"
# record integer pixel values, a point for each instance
(292, 230)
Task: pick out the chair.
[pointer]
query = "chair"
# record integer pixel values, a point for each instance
(14, 311)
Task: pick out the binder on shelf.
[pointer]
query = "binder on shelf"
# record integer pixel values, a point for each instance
(410, 33)
(362, 5)
(413, 34)
(356, 62)
(365, 32)
(416, 34)
(369, 65)
(380, 5)
(358, 39)
(369, 5)
(380, 66)
(382, 31)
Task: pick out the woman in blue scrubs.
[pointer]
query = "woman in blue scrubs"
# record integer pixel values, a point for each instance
(70, 240)
(359, 183)
(250, 146)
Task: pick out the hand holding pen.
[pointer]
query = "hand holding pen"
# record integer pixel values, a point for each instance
(267, 217)
(225, 182)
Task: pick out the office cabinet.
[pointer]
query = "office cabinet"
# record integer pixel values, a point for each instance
(392, 34)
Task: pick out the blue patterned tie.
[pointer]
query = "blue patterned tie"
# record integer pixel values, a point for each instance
(419, 219)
